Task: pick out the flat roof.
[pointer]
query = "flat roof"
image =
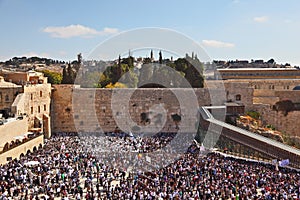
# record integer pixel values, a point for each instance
(258, 69)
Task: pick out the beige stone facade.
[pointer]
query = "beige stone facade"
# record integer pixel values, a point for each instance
(23, 78)
(37, 105)
(30, 102)
(94, 110)
(266, 93)
(22, 149)
(257, 73)
(288, 124)
(31, 99)
(8, 93)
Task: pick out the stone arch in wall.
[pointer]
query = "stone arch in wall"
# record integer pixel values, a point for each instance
(22, 155)
(6, 147)
(34, 149)
(238, 97)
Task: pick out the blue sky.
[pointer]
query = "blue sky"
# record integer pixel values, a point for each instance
(226, 29)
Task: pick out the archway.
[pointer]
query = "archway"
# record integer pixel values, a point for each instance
(238, 97)
(21, 155)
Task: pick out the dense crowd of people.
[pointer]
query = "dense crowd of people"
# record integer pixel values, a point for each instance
(67, 168)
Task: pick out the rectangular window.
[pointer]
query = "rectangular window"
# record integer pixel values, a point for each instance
(39, 109)
(31, 110)
(6, 98)
(41, 93)
(45, 107)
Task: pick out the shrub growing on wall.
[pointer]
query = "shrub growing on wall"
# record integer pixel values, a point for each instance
(253, 114)
(284, 106)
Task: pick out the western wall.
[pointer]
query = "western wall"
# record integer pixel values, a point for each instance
(89, 110)
(99, 116)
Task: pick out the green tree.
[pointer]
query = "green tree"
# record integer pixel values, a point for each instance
(103, 80)
(91, 80)
(130, 79)
(53, 77)
(160, 57)
(69, 75)
(151, 55)
(65, 76)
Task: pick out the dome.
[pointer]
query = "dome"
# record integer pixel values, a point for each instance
(296, 87)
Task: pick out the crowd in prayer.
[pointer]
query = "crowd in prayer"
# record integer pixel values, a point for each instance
(64, 168)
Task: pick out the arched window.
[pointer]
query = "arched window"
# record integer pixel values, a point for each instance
(238, 97)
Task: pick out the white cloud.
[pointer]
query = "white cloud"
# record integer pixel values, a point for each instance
(261, 19)
(76, 31)
(217, 44)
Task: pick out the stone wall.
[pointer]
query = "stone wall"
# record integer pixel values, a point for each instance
(152, 102)
(274, 84)
(22, 149)
(239, 92)
(61, 109)
(37, 98)
(12, 129)
(294, 95)
(265, 100)
(8, 95)
(287, 124)
(266, 96)
(91, 110)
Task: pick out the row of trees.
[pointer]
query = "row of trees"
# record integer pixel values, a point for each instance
(53, 77)
(183, 72)
(20, 60)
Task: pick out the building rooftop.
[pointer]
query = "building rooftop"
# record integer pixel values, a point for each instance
(4, 84)
(257, 69)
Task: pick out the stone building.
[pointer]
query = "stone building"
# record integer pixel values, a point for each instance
(257, 73)
(25, 113)
(8, 93)
(29, 95)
